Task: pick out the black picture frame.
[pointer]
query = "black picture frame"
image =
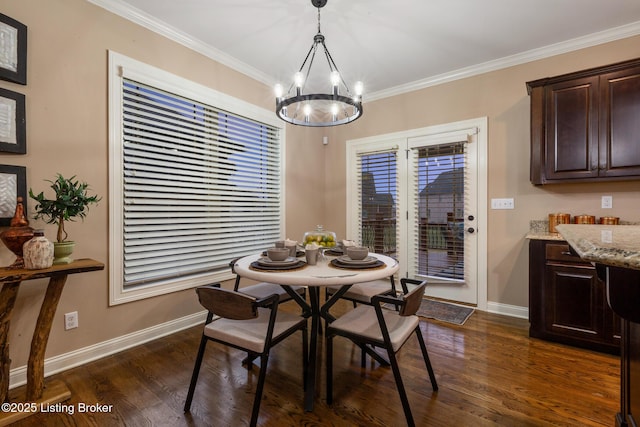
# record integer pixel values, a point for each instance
(13, 184)
(13, 50)
(13, 123)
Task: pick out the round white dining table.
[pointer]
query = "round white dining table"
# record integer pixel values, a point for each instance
(315, 277)
(321, 274)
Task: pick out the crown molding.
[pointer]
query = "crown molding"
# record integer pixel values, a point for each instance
(145, 20)
(126, 11)
(578, 43)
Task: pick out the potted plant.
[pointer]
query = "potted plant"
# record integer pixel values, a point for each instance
(71, 201)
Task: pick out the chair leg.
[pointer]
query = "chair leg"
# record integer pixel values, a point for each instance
(248, 361)
(427, 361)
(401, 391)
(305, 357)
(258, 398)
(196, 372)
(329, 369)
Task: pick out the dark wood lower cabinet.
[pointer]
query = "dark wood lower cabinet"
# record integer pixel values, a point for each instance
(567, 300)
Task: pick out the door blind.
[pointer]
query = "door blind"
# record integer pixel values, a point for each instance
(201, 186)
(378, 195)
(440, 203)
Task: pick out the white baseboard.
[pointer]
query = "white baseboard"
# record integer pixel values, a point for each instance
(508, 310)
(53, 365)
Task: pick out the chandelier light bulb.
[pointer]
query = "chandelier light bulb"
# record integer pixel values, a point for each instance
(298, 78)
(335, 78)
(307, 110)
(358, 88)
(334, 112)
(279, 90)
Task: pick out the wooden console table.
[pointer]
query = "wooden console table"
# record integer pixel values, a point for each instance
(10, 280)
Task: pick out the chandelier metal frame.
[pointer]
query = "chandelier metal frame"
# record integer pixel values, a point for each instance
(342, 108)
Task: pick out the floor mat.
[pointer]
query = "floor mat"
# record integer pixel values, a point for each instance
(445, 312)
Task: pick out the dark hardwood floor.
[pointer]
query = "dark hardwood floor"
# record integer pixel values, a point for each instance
(489, 372)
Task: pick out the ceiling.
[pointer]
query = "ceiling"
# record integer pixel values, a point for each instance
(392, 46)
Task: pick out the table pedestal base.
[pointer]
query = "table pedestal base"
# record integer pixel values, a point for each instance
(54, 392)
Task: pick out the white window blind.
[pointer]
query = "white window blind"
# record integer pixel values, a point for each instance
(378, 195)
(201, 186)
(440, 203)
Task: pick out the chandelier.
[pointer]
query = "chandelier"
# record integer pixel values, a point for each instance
(319, 109)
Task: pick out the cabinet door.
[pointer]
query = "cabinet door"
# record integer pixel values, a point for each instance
(574, 301)
(571, 147)
(619, 123)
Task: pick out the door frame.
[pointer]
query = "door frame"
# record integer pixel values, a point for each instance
(480, 127)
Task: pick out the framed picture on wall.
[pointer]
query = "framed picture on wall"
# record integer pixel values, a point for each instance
(13, 184)
(13, 126)
(13, 50)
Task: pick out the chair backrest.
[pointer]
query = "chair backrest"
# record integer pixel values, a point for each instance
(232, 266)
(412, 300)
(226, 303)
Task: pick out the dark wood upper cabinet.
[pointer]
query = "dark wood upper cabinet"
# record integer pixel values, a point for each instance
(585, 125)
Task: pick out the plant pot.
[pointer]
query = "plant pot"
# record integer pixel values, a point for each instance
(62, 251)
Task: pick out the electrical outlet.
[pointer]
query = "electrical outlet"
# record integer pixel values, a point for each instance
(70, 320)
(607, 202)
(502, 204)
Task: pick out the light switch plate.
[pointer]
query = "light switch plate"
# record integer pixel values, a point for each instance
(502, 204)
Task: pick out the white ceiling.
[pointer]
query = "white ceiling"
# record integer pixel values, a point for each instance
(391, 45)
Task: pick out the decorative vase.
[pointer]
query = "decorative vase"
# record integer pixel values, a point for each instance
(62, 251)
(38, 252)
(17, 234)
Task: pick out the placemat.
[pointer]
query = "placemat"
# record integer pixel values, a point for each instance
(274, 269)
(376, 265)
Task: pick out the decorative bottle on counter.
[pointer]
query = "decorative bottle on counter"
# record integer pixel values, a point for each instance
(17, 234)
(38, 252)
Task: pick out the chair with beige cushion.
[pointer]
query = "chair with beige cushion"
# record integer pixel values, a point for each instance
(363, 292)
(379, 327)
(248, 324)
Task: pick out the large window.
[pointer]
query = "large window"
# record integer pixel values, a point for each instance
(195, 181)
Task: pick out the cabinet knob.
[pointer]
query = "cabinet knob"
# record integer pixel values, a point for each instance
(471, 230)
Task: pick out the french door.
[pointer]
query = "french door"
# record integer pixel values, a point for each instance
(420, 196)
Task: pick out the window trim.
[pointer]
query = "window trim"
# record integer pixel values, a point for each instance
(120, 67)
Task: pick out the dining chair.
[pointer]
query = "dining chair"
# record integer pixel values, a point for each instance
(249, 324)
(361, 293)
(263, 289)
(384, 328)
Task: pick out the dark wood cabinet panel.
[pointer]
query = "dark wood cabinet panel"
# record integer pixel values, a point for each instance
(584, 125)
(620, 124)
(574, 303)
(567, 300)
(572, 129)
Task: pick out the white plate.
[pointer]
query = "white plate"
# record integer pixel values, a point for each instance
(366, 261)
(284, 263)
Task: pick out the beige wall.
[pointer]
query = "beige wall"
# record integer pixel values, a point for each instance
(67, 132)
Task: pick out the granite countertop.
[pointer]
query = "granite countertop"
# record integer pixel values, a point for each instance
(539, 230)
(615, 245)
(543, 235)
